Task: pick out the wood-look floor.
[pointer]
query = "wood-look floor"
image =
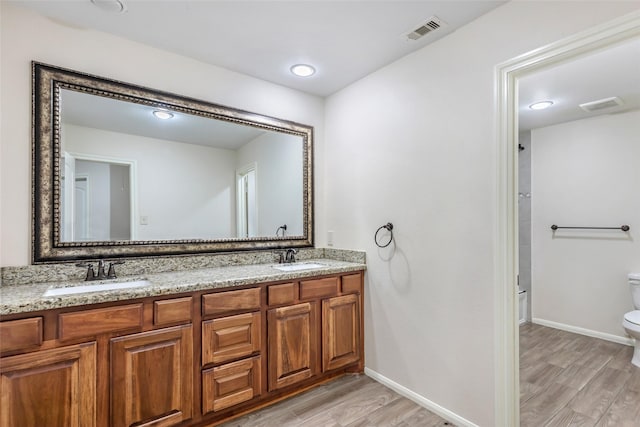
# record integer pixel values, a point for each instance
(351, 401)
(566, 380)
(573, 380)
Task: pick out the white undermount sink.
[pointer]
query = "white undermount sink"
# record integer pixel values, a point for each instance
(298, 266)
(97, 287)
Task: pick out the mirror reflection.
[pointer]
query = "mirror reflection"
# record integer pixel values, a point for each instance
(121, 170)
(138, 172)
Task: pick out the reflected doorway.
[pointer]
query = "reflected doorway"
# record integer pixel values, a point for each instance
(81, 213)
(97, 199)
(247, 206)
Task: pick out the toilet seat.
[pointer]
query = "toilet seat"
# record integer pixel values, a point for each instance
(633, 317)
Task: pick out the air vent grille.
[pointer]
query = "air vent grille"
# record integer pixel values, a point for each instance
(601, 104)
(431, 25)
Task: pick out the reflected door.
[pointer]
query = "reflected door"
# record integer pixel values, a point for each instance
(81, 209)
(98, 200)
(246, 202)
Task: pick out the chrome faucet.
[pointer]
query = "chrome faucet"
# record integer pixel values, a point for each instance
(100, 275)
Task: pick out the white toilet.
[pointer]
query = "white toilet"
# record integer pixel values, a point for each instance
(631, 322)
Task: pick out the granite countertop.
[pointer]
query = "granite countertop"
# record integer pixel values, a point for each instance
(26, 298)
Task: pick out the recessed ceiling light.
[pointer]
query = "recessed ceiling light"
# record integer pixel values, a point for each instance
(303, 70)
(163, 115)
(541, 105)
(113, 6)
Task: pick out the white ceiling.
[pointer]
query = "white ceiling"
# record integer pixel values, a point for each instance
(345, 40)
(612, 72)
(98, 112)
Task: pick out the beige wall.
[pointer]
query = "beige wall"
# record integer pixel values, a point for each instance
(585, 173)
(414, 144)
(25, 36)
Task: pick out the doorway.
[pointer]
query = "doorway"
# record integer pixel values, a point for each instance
(98, 198)
(246, 201)
(506, 253)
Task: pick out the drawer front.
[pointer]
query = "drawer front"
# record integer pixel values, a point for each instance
(172, 311)
(282, 294)
(319, 288)
(230, 301)
(20, 334)
(352, 283)
(231, 384)
(230, 338)
(99, 321)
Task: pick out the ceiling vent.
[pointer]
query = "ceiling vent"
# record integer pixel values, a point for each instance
(601, 104)
(430, 26)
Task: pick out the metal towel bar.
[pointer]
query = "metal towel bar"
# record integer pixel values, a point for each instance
(622, 227)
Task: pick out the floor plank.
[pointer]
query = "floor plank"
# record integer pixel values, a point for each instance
(350, 401)
(568, 379)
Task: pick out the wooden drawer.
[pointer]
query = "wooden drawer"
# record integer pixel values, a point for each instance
(352, 283)
(230, 338)
(230, 301)
(99, 321)
(231, 384)
(282, 294)
(319, 288)
(21, 334)
(172, 311)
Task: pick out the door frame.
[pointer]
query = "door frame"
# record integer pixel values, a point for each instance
(507, 74)
(241, 206)
(133, 183)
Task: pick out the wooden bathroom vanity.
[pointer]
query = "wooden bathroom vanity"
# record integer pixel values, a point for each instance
(193, 358)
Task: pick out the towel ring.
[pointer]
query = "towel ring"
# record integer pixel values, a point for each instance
(389, 227)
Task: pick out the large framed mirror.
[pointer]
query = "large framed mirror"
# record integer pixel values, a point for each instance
(121, 170)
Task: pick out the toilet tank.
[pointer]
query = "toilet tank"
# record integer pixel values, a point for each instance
(634, 283)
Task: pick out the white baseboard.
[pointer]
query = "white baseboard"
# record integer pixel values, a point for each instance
(420, 400)
(583, 331)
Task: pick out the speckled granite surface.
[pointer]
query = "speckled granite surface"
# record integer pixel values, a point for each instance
(25, 297)
(61, 272)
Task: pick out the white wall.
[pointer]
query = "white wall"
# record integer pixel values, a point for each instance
(414, 144)
(26, 36)
(585, 173)
(98, 198)
(279, 172)
(186, 191)
(524, 217)
(120, 201)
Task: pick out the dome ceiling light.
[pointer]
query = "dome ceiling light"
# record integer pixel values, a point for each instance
(163, 115)
(541, 105)
(303, 70)
(111, 6)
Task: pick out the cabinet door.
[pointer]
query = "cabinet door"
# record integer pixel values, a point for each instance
(53, 388)
(152, 377)
(293, 344)
(340, 331)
